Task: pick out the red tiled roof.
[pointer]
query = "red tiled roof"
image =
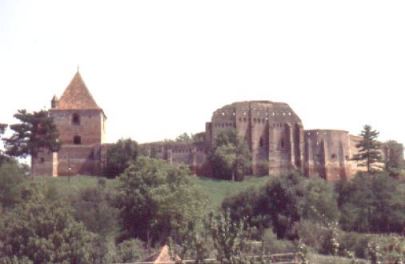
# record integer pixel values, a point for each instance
(77, 96)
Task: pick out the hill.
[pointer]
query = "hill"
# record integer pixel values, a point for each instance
(216, 190)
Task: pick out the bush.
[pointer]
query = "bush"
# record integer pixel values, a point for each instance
(119, 156)
(312, 234)
(11, 177)
(283, 202)
(93, 207)
(129, 251)
(273, 245)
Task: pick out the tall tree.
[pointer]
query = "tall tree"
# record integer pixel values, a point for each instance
(34, 132)
(230, 157)
(369, 149)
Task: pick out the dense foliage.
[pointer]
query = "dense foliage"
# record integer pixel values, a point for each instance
(119, 156)
(156, 199)
(283, 202)
(43, 231)
(372, 203)
(230, 157)
(11, 178)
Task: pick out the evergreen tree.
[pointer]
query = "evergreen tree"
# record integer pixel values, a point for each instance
(34, 132)
(369, 151)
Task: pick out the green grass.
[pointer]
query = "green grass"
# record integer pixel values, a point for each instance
(216, 190)
(65, 186)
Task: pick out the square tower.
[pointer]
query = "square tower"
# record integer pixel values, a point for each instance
(81, 126)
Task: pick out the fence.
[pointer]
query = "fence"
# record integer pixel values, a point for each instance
(284, 258)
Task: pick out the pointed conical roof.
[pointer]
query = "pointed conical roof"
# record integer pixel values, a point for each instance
(77, 96)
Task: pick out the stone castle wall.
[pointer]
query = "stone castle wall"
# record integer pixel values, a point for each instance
(81, 133)
(89, 125)
(276, 139)
(273, 132)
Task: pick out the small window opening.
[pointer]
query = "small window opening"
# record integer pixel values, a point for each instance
(333, 156)
(42, 160)
(282, 143)
(261, 143)
(77, 140)
(76, 119)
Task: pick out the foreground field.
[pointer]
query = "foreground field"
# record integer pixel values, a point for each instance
(216, 190)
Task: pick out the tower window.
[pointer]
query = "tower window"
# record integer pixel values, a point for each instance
(282, 143)
(77, 140)
(76, 119)
(261, 143)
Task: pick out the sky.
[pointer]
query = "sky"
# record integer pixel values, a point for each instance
(160, 68)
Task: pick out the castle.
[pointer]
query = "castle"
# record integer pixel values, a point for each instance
(81, 125)
(273, 132)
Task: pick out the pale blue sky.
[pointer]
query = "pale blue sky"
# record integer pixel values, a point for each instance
(160, 68)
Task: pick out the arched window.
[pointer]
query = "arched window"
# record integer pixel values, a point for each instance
(77, 140)
(261, 142)
(76, 119)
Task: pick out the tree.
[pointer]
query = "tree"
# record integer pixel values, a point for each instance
(156, 198)
(372, 203)
(35, 132)
(394, 157)
(43, 231)
(369, 152)
(230, 157)
(93, 207)
(283, 202)
(184, 138)
(120, 155)
(11, 177)
(129, 251)
(229, 238)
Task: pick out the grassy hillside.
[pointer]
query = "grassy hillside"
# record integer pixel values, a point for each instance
(216, 190)
(65, 186)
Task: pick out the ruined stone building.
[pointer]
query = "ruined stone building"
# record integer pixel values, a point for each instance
(273, 132)
(81, 125)
(276, 138)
